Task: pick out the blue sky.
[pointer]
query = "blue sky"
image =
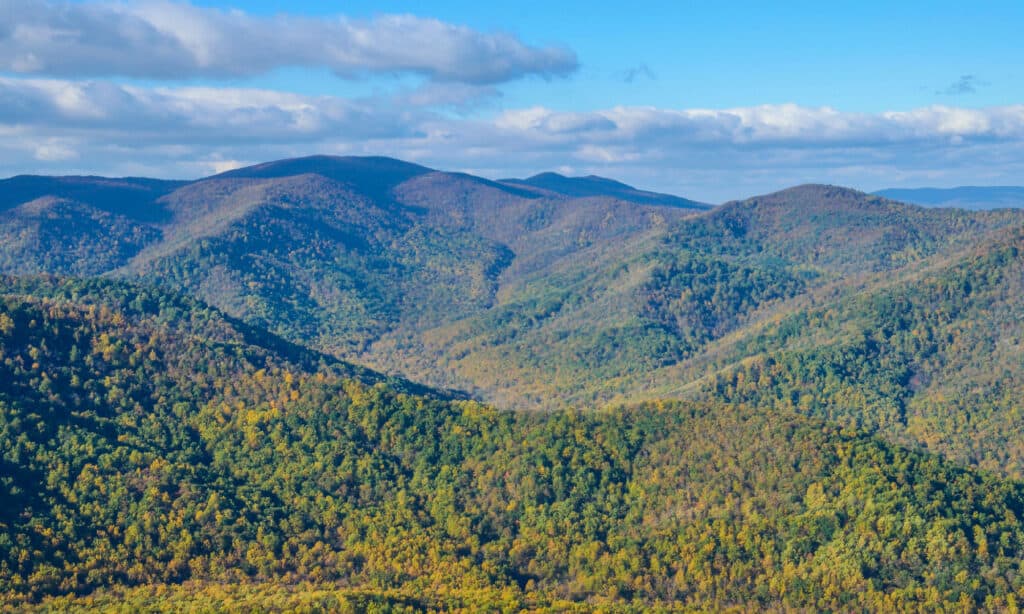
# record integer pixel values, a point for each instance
(856, 56)
(708, 100)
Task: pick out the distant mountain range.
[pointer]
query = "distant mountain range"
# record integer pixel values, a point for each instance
(538, 293)
(964, 197)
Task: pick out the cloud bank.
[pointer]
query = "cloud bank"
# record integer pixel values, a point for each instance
(172, 40)
(55, 125)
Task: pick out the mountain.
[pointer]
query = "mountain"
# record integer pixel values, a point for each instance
(592, 185)
(622, 319)
(926, 356)
(78, 225)
(51, 234)
(836, 231)
(534, 300)
(965, 197)
(131, 197)
(316, 260)
(806, 400)
(330, 251)
(156, 455)
(373, 176)
(519, 295)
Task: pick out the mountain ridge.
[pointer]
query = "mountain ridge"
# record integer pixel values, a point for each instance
(133, 197)
(964, 197)
(593, 185)
(524, 299)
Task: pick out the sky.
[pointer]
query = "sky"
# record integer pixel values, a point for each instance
(711, 101)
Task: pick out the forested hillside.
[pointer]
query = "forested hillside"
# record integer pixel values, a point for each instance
(804, 400)
(531, 294)
(933, 357)
(333, 253)
(654, 315)
(157, 452)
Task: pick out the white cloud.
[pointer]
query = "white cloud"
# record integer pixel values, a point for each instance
(53, 150)
(604, 155)
(702, 153)
(110, 112)
(223, 166)
(459, 96)
(175, 40)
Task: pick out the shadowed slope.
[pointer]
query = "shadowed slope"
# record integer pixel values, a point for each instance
(131, 197)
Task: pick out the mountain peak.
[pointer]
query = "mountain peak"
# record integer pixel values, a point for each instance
(321, 163)
(820, 190)
(375, 174)
(811, 197)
